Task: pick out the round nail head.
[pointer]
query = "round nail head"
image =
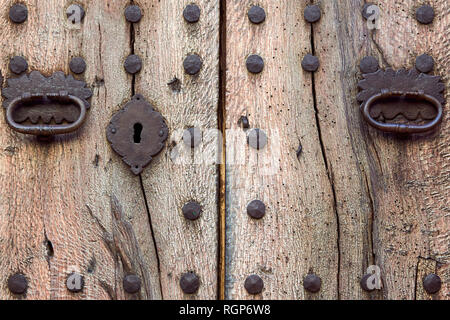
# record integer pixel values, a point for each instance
(365, 12)
(17, 283)
(312, 13)
(310, 63)
(75, 282)
(192, 137)
(131, 283)
(364, 284)
(75, 13)
(369, 64)
(133, 64)
(18, 13)
(432, 283)
(18, 65)
(192, 210)
(256, 209)
(257, 139)
(191, 13)
(189, 283)
(425, 14)
(424, 63)
(255, 64)
(254, 284)
(192, 64)
(312, 283)
(133, 13)
(256, 14)
(77, 65)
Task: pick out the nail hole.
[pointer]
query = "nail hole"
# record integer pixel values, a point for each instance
(137, 132)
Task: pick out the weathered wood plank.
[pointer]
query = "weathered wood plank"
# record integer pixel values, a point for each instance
(298, 234)
(392, 192)
(179, 175)
(70, 204)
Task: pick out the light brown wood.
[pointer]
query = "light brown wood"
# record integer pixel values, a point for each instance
(299, 233)
(71, 204)
(163, 39)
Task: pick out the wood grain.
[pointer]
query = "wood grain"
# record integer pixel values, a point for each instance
(163, 39)
(70, 204)
(298, 234)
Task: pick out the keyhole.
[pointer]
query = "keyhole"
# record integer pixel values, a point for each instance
(137, 132)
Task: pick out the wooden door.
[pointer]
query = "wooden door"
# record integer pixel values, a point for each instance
(339, 195)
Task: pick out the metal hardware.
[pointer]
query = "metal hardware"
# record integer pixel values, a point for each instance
(310, 63)
(424, 63)
(131, 283)
(189, 283)
(133, 64)
(18, 13)
(137, 133)
(75, 282)
(75, 13)
(366, 15)
(18, 65)
(243, 122)
(192, 64)
(77, 65)
(312, 283)
(192, 210)
(403, 101)
(17, 283)
(191, 13)
(432, 283)
(255, 64)
(369, 65)
(254, 284)
(312, 13)
(257, 139)
(256, 209)
(133, 14)
(256, 14)
(45, 106)
(363, 283)
(425, 14)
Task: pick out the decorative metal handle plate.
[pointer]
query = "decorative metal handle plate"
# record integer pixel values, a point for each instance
(46, 106)
(403, 101)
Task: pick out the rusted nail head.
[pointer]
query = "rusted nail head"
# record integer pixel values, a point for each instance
(192, 210)
(257, 139)
(77, 65)
(18, 13)
(256, 209)
(192, 137)
(424, 63)
(425, 14)
(17, 283)
(310, 63)
(131, 283)
(189, 283)
(75, 282)
(191, 13)
(256, 14)
(254, 284)
(312, 283)
(369, 64)
(133, 13)
(363, 282)
(255, 64)
(192, 64)
(133, 64)
(18, 65)
(312, 13)
(432, 283)
(75, 13)
(243, 121)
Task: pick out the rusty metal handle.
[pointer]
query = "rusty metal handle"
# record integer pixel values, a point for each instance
(402, 128)
(46, 129)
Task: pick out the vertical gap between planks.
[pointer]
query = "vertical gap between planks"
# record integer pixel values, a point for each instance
(221, 113)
